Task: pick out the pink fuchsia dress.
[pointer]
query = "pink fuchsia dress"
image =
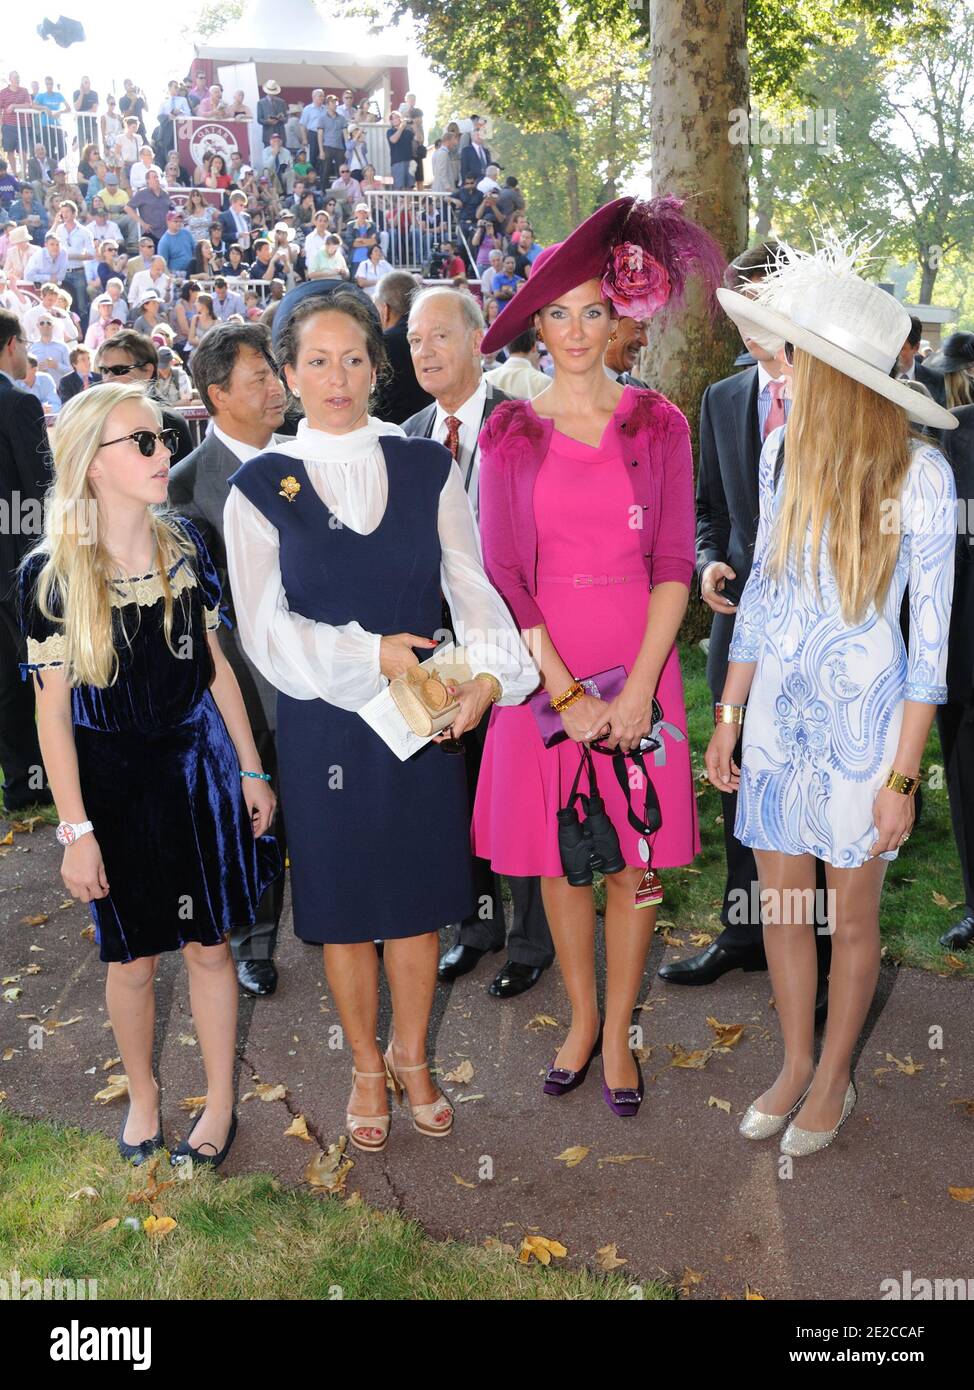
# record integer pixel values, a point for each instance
(592, 590)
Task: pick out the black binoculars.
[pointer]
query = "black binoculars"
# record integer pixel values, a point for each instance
(592, 844)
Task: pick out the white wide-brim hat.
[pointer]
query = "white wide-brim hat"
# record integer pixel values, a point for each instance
(283, 227)
(272, 88)
(817, 302)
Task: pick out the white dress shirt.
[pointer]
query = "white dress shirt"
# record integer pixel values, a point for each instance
(518, 378)
(471, 417)
(764, 396)
(240, 450)
(309, 660)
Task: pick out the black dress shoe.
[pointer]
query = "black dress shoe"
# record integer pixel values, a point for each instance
(960, 935)
(710, 964)
(459, 960)
(514, 979)
(257, 976)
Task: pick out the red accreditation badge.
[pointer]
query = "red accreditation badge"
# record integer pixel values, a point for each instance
(650, 890)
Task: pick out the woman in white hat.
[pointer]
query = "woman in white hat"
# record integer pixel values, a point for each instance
(20, 249)
(837, 710)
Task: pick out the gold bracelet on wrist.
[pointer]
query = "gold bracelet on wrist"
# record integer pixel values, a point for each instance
(728, 714)
(902, 782)
(568, 697)
(498, 689)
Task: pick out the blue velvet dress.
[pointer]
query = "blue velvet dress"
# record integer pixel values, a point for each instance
(378, 848)
(159, 773)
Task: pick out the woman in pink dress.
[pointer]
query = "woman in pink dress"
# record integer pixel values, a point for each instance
(586, 511)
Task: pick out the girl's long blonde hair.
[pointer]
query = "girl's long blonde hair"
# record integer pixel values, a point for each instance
(77, 567)
(847, 454)
(958, 389)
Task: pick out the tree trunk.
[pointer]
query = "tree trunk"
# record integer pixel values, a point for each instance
(929, 267)
(698, 78)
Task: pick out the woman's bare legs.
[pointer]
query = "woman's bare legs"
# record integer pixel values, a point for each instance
(854, 895)
(787, 884)
(571, 917)
(352, 972)
(130, 997)
(410, 964)
(628, 934)
(213, 993)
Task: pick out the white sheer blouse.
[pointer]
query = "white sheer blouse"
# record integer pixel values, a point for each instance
(309, 660)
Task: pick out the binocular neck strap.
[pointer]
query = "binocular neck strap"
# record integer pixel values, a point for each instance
(652, 817)
(585, 757)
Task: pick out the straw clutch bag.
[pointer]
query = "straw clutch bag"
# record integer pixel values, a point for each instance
(421, 695)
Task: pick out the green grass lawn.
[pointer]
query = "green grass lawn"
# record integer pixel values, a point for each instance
(241, 1238)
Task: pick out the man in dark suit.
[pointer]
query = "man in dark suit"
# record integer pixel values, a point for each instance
(400, 395)
(955, 719)
(236, 222)
(25, 473)
(736, 415)
(234, 372)
(444, 335)
(80, 377)
(475, 157)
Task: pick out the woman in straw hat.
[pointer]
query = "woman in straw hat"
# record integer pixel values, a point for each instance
(586, 510)
(837, 710)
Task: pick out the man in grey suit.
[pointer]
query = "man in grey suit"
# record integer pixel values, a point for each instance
(445, 328)
(236, 376)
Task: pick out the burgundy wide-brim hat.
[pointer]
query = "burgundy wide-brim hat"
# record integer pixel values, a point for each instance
(641, 251)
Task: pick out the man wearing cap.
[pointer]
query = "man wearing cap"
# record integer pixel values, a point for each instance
(80, 378)
(49, 263)
(271, 112)
(360, 236)
(276, 163)
(172, 385)
(98, 329)
(176, 246)
(150, 206)
(236, 221)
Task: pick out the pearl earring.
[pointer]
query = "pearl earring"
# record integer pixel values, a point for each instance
(295, 392)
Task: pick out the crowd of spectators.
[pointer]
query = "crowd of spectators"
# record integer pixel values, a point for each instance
(114, 233)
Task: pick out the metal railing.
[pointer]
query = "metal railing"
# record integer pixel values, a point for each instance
(415, 222)
(63, 135)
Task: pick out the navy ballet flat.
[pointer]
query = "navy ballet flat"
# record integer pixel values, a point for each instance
(136, 1154)
(184, 1150)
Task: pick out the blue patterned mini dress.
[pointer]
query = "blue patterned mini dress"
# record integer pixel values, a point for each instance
(826, 703)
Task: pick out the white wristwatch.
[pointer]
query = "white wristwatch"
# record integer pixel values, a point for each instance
(67, 832)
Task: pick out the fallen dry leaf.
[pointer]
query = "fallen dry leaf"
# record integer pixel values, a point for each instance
(492, 1243)
(672, 940)
(187, 1040)
(961, 1194)
(461, 1073)
(117, 1089)
(728, 1034)
(12, 994)
(572, 1157)
(108, 1225)
(541, 1021)
(266, 1091)
(158, 1225)
(8, 839)
(908, 1068)
(942, 901)
(967, 1104)
(462, 1100)
(26, 827)
(88, 1192)
(192, 1103)
(752, 1294)
(541, 1248)
(690, 1278)
(330, 1170)
(88, 932)
(720, 1104)
(10, 1053)
(112, 1062)
(462, 1182)
(37, 920)
(298, 1129)
(696, 1059)
(607, 1257)
(701, 938)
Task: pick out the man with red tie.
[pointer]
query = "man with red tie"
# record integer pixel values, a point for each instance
(736, 417)
(444, 332)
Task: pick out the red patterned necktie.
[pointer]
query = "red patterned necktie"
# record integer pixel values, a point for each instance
(452, 441)
(776, 414)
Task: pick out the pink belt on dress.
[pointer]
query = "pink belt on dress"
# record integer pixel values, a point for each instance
(586, 581)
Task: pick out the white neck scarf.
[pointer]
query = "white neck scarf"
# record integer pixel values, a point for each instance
(321, 447)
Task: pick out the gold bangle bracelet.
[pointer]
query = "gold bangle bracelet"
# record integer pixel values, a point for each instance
(728, 714)
(498, 690)
(569, 696)
(902, 782)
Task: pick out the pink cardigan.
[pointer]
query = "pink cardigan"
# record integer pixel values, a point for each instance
(655, 439)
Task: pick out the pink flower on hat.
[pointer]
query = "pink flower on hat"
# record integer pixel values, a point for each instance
(635, 282)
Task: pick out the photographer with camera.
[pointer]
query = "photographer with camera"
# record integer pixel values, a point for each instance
(401, 150)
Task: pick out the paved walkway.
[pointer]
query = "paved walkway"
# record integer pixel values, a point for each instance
(692, 1194)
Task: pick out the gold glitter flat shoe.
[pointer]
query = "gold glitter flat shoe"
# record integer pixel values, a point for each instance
(757, 1125)
(800, 1142)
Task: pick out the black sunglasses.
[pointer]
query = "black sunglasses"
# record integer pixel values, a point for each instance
(146, 440)
(122, 370)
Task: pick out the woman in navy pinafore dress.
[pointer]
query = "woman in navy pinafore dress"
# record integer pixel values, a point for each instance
(338, 547)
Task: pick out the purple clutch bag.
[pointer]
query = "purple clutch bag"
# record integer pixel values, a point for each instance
(605, 685)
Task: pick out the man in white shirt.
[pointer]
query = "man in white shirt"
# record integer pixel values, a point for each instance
(52, 356)
(41, 385)
(489, 184)
(495, 264)
(235, 375)
(156, 278)
(76, 241)
(315, 240)
(519, 376)
(47, 309)
(225, 300)
(444, 336)
(141, 169)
